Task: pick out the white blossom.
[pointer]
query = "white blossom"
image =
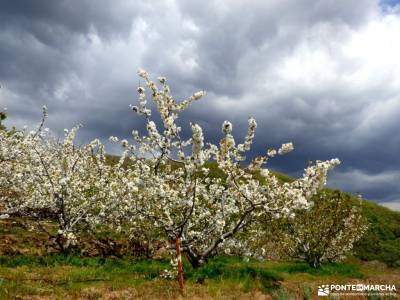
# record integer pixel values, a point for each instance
(286, 148)
(227, 127)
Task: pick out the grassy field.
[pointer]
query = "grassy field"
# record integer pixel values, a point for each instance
(73, 277)
(27, 271)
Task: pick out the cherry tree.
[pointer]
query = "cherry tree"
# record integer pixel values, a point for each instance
(180, 197)
(163, 183)
(69, 183)
(11, 154)
(324, 233)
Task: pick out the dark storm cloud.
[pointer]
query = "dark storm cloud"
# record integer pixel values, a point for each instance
(323, 74)
(54, 22)
(44, 60)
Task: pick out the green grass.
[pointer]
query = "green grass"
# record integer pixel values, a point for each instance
(83, 277)
(234, 269)
(331, 269)
(219, 268)
(148, 268)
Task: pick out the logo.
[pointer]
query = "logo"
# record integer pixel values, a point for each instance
(323, 290)
(326, 290)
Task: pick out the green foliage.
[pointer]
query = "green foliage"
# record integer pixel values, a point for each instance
(382, 239)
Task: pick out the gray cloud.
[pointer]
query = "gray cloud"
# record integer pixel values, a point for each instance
(323, 74)
(383, 186)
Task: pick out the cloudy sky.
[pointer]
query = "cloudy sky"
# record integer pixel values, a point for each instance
(324, 74)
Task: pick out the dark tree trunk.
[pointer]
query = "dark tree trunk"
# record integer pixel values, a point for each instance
(193, 261)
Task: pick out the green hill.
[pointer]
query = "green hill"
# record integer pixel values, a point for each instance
(382, 240)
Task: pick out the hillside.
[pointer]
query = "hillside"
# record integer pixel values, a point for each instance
(108, 266)
(382, 240)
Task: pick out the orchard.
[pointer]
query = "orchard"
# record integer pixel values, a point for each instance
(163, 187)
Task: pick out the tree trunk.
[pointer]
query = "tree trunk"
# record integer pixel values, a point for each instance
(314, 262)
(60, 240)
(179, 259)
(193, 258)
(193, 261)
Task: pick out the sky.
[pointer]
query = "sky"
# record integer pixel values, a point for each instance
(324, 74)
